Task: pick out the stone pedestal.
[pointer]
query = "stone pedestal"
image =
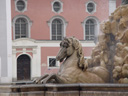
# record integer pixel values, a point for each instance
(64, 90)
(5, 42)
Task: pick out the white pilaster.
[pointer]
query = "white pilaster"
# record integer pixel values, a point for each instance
(5, 42)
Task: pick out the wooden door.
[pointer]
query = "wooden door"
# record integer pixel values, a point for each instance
(23, 67)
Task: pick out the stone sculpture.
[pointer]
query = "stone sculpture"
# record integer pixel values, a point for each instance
(117, 31)
(74, 68)
(110, 54)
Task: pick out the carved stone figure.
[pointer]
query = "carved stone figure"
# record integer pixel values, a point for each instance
(74, 68)
(111, 53)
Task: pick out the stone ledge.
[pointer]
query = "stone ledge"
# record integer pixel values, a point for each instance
(64, 89)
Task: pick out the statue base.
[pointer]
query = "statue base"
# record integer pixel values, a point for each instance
(64, 90)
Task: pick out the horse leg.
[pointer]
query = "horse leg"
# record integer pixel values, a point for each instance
(38, 80)
(52, 77)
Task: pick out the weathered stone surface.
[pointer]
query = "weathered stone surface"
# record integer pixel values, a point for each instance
(99, 93)
(66, 90)
(34, 93)
(73, 68)
(13, 94)
(62, 93)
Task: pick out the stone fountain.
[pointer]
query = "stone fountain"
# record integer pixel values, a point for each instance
(111, 53)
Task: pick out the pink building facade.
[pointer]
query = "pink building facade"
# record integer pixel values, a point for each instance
(38, 26)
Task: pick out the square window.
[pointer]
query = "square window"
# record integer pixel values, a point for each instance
(52, 62)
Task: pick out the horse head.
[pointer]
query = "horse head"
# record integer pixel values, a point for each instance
(68, 46)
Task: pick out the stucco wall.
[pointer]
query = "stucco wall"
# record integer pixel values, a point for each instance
(118, 3)
(40, 12)
(74, 13)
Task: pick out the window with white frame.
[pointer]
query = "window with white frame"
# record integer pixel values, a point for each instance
(90, 30)
(57, 6)
(90, 7)
(57, 29)
(57, 25)
(52, 63)
(21, 5)
(21, 28)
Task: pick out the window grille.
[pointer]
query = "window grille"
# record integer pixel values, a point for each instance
(56, 6)
(89, 30)
(90, 7)
(52, 62)
(20, 5)
(57, 29)
(21, 28)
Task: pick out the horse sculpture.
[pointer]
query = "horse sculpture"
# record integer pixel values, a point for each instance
(74, 69)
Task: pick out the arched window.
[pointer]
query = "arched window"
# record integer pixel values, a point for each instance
(21, 28)
(90, 30)
(57, 29)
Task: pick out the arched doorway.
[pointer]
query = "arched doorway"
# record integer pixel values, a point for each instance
(23, 67)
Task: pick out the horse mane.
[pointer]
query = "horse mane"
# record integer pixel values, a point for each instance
(78, 47)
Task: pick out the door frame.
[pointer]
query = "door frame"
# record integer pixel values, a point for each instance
(30, 65)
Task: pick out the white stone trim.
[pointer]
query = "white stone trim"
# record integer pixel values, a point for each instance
(5, 80)
(30, 43)
(84, 44)
(97, 29)
(49, 44)
(25, 9)
(0, 69)
(112, 6)
(28, 21)
(95, 5)
(57, 63)
(61, 5)
(24, 51)
(24, 54)
(63, 21)
(6, 42)
(36, 45)
(35, 61)
(9, 40)
(14, 66)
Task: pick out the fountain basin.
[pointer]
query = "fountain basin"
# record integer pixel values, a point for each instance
(64, 90)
